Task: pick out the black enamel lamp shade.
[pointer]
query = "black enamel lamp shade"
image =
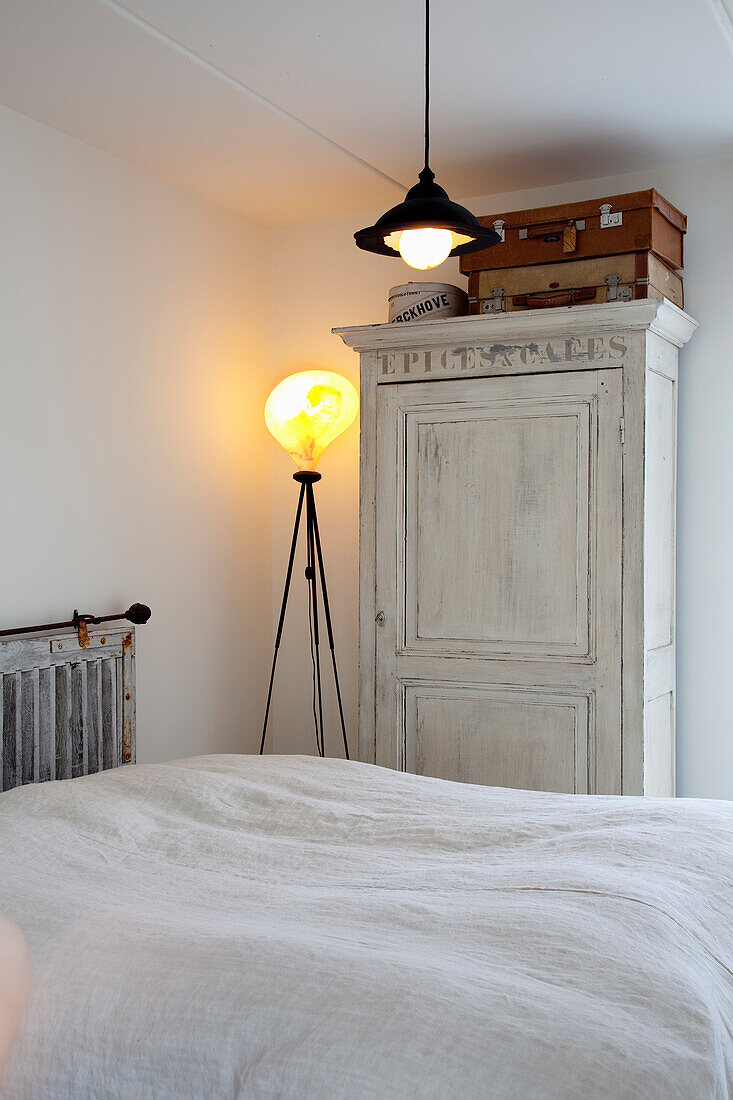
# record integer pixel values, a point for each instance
(426, 206)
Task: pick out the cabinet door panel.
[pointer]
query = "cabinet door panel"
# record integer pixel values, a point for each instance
(499, 736)
(499, 533)
(498, 550)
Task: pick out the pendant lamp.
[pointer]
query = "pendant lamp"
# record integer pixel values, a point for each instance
(426, 227)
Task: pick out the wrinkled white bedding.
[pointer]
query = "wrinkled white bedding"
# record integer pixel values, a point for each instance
(230, 926)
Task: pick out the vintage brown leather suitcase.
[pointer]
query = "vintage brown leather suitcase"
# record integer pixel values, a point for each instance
(602, 279)
(642, 221)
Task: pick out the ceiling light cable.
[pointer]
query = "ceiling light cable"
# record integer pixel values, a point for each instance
(426, 227)
(427, 83)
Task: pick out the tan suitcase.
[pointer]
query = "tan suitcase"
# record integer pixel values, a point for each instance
(604, 279)
(641, 221)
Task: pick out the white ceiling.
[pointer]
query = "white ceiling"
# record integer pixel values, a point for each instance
(289, 111)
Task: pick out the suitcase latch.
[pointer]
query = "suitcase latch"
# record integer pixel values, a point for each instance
(609, 220)
(616, 293)
(496, 303)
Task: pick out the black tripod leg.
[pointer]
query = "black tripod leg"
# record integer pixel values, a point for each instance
(310, 511)
(279, 634)
(329, 627)
(308, 576)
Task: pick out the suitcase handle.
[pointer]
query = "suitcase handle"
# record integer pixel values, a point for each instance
(551, 232)
(549, 229)
(543, 300)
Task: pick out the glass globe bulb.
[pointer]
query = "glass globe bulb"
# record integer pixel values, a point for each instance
(307, 411)
(423, 248)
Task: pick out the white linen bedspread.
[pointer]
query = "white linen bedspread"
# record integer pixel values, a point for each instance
(230, 926)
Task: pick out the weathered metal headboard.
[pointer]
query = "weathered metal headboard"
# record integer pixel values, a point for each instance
(67, 705)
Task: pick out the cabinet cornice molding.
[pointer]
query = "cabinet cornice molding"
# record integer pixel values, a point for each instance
(656, 315)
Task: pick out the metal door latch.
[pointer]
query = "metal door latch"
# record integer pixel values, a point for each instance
(616, 293)
(379, 618)
(496, 303)
(609, 220)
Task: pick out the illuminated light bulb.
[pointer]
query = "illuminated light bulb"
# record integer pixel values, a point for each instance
(307, 411)
(423, 248)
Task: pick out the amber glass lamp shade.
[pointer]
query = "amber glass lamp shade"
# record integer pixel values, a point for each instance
(307, 411)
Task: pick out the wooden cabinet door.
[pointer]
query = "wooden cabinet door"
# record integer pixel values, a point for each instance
(498, 580)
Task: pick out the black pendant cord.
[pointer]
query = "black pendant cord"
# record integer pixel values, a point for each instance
(426, 204)
(427, 83)
(314, 573)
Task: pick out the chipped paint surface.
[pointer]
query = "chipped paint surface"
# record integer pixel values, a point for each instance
(466, 360)
(128, 701)
(67, 704)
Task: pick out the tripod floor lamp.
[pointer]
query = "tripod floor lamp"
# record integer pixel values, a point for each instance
(305, 413)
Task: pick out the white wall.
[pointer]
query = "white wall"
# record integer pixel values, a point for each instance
(322, 281)
(134, 344)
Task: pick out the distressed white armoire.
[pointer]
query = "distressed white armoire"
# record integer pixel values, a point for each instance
(517, 563)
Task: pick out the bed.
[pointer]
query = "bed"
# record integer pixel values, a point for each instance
(235, 926)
